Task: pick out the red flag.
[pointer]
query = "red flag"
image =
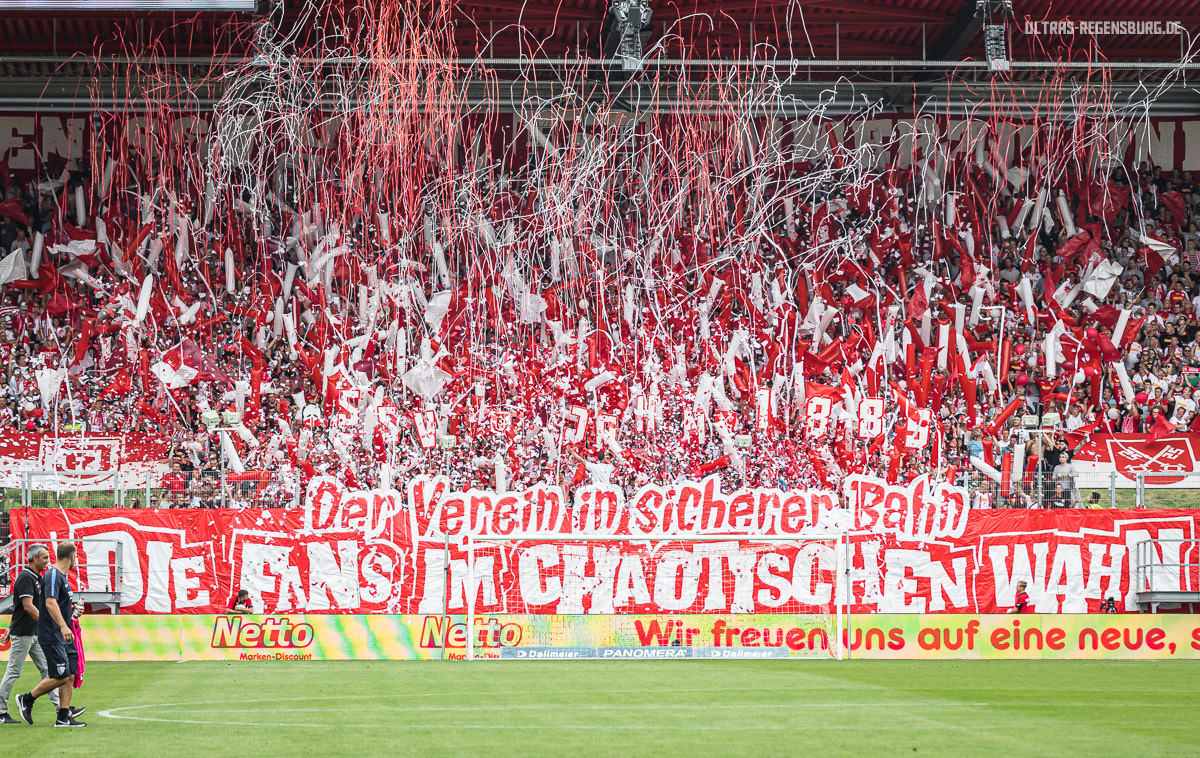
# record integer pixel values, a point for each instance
(1069, 249)
(185, 364)
(1161, 426)
(966, 275)
(1176, 207)
(11, 209)
(970, 396)
(1006, 466)
(1083, 433)
(1154, 261)
(121, 384)
(918, 303)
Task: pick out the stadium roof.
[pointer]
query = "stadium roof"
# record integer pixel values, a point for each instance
(893, 46)
(822, 29)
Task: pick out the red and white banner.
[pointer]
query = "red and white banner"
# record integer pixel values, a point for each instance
(1166, 461)
(1168, 142)
(910, 549)
(82, 461)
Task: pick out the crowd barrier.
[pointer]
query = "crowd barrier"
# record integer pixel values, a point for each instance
(135, 471)
(298, 637)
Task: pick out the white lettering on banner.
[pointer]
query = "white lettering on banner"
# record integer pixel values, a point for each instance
(25, 137)
(677, 568)
(917, 583)
(771, 573)
(425, 424)
(812, 561)
(158, 591)
(80, 453)
(346, 554)
(816, 413)
(683, 508)
(898, 585)
(632, 589)
(333, 576)
(377, 568)
(433, 591)
(863, 572)
(102, 553)
(479, 580)
(183, 561)
(81, 462)
(186, 577)
(265, 571)
(870, 417)
(916, 430)
(164, 575)
(576, 581)
(920, 510)
(947, 590)
(1158, 145)
(1191, 138)
(537, 587)
(1061, 581)
(1057, 582)
(329, 506)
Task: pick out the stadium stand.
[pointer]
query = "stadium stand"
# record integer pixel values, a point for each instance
(76, 310)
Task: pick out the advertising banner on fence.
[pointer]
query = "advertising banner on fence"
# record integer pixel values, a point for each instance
(909, 549)
(301, 638)
(1166, 460)
(79, 462)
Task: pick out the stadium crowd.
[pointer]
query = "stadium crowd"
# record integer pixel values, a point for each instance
(341, 388)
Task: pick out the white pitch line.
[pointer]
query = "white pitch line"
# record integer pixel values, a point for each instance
(124, 713)
(391, 726)
(629, 707)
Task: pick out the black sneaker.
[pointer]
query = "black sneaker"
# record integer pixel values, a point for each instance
(69, 722)
(77, 711)
(25, 708)
(6, 719)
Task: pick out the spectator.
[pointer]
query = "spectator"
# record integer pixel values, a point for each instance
(1021, 603)
(241, 603)
(511, 382)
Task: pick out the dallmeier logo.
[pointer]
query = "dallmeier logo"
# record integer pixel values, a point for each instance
(1103, 28)
(274, 633)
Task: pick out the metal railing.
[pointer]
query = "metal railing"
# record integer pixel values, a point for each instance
(1042, 488)
(96, 580)
(1177, 489)
(1066, 488)
(1157, 580)
(177, 489)
(72, 489)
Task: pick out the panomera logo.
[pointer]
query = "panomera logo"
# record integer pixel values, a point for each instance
(274, 633)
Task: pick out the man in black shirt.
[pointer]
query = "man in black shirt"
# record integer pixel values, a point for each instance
(27, 597)
(57, 641)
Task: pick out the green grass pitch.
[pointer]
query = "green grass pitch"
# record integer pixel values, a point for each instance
(628, 708)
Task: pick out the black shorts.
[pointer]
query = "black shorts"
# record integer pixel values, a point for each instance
(61, 658)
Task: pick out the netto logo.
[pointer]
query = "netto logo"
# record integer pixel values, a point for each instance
(232, 631)
(489, 632)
